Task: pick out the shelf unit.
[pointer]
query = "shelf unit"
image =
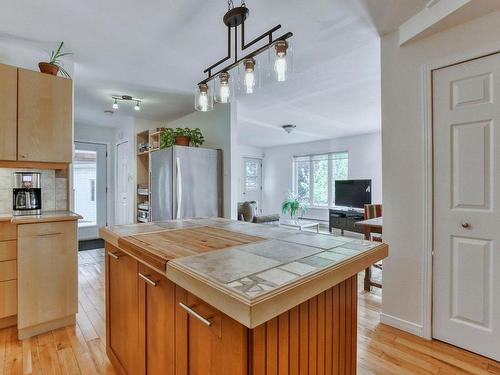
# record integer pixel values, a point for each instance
(146, 142)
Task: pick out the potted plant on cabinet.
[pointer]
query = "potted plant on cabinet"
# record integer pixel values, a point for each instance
(292, 204)
(181, 137)
(54, 65)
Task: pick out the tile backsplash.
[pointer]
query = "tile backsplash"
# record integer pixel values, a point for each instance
(54, 189)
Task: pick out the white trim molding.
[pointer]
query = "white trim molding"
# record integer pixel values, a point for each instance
(401, 324)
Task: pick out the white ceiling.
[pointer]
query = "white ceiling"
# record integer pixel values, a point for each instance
(157, 50)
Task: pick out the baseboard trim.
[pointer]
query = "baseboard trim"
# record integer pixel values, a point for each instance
(26, 333)
(404, 325)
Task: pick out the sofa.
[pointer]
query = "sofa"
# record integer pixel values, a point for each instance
(247, 211)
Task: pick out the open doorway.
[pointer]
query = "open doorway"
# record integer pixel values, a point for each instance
(90, 188)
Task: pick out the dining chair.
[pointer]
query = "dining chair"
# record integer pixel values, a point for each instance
(373, 211)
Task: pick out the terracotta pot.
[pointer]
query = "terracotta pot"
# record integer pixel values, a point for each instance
(48, 68)
(182, 140)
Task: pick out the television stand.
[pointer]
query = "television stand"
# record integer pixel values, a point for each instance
(344, 218)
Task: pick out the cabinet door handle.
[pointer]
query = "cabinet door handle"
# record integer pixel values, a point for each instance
(49, 234)
(190, 311)
(114, 256)
(148, 280)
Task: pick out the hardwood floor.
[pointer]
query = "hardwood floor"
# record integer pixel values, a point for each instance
(81, 349)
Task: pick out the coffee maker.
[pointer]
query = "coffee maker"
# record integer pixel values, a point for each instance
(27, 193)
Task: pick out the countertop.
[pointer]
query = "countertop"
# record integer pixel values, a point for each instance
(251, 272)
(44, 217)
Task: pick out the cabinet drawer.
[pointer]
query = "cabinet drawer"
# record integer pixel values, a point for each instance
(8, 270)
(7, 231)
(8, 298)
(8, 250)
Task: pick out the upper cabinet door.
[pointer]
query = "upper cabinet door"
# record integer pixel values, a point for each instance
(45, 117)
(8, 112)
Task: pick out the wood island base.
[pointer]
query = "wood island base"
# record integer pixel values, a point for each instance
(144, 311)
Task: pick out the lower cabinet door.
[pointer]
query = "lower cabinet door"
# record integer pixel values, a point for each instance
(123, 311)
(208, 341)
(157, 301)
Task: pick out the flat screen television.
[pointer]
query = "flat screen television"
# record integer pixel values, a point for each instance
(353, 193)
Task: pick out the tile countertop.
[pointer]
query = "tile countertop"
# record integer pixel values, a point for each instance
(44, 217)
(268, 272)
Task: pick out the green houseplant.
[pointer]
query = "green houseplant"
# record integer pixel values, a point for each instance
(181, 137)
(54, 65)
(292, 204)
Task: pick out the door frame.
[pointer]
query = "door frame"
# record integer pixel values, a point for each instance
(108, 175)
(242, 184)
(428, 170)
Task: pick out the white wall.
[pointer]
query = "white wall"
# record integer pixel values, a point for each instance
(218, 131)
(105, 135)
(403, 139)
(365, 162)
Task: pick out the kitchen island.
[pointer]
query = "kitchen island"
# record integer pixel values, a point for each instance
(215, 296)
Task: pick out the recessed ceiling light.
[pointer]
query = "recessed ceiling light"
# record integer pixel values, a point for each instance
(289, 128)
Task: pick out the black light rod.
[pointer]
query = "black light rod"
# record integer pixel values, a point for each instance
(228, 52)
(250, 55)
(251, 43)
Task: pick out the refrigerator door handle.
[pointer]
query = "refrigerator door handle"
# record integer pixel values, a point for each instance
(179, 187)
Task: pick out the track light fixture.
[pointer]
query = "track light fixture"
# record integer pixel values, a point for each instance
(126, 98)
(249, 78)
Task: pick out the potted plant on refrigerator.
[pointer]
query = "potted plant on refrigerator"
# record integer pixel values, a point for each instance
(54, 66)
(181, 137)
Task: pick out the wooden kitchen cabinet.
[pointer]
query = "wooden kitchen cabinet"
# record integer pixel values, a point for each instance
(47, 276)
(208, 342)
(45, 118)
(122, 312)
(157, 304)
(8, 112)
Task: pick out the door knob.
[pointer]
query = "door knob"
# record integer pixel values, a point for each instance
(465, 225)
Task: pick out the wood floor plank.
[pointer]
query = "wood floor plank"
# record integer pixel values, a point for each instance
(382, 350)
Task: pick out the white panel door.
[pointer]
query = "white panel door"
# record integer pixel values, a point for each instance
(252, 181)
(466, 288)
(123, 195)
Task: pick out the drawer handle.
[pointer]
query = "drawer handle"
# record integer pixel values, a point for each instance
(148, 280)
(195, 314)
(114, 256)
(49, 234)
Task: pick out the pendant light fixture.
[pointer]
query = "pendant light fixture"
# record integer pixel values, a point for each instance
(249, 78)
(203, 100)
(223, 88)
(281, 65)
(249, 75)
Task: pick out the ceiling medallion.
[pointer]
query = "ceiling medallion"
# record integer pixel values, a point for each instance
(248, 66)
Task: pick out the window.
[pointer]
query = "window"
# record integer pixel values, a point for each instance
(251, 175)
(315, 177)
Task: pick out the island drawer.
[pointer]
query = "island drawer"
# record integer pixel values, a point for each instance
(8, 270)
(8, 250)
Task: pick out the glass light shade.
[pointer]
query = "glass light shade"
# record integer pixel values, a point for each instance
(249, 76)
(281, 61)
(224, 89)
(203, 98)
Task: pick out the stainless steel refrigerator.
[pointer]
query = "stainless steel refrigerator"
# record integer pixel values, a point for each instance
(186, 182)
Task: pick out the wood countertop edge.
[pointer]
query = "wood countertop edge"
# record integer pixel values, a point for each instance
(34, 219)
(253, 313)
